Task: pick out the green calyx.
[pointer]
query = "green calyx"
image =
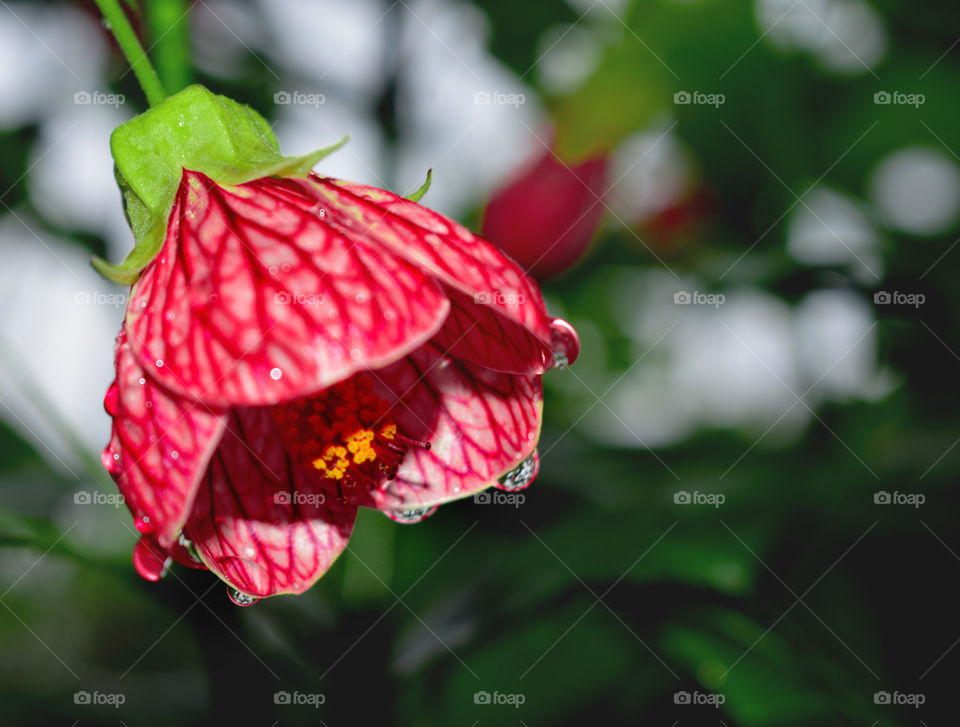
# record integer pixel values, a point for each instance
(198, 130)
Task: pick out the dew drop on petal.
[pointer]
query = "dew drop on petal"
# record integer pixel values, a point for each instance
(159, 363)
(275, 374)
(175, 455)
(361, 298)
(142, 524)
(149, 561)
(141, 381)
(409, 517)
(522, 476)
(109, 461)
(111, 402)
(355, 354)
(189, 547)
(240, 598)
(566, 343)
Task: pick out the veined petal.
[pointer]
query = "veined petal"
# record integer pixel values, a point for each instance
(159, 447)
(256, 299)
(474, 333)
(260, 523)
(479, 423)
(438, 245)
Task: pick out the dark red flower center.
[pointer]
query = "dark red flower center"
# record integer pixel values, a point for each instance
(346, 433)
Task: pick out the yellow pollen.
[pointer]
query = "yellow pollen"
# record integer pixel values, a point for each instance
(389, 431)
(333, 452)
(359, 443)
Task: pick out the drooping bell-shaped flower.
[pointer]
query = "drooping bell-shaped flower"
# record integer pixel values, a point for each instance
(296, 347)
(547, 213)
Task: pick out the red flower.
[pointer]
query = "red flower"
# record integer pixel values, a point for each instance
(302, 346)
(547, 214)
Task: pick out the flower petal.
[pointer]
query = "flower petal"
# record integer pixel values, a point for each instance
(261, 524)
(480, 424)
(159, 447)
(255, 299)
(473, 332)
(445, 249)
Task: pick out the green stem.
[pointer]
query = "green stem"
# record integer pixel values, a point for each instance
(130, 45)
(170, 42)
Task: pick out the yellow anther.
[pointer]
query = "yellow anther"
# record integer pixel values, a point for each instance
(360, 445)
(332, 453)
(389, 431)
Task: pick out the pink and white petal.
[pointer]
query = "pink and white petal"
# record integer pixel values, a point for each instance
(255, 299)
(261, 524)
(437, 244)
(474, 333)
(480, 425)
(159, 447)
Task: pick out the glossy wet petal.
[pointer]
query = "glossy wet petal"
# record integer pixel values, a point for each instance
(159, 447)
(260, 523)
(479, 423)
(446, 250)
(255, 298)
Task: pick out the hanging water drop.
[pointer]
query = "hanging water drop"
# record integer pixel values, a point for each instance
(409, 517)
(142, 524)
(111, 402)
(189, 548)
(565, 343)
(521, 476)
(240, 598)
(149, 561)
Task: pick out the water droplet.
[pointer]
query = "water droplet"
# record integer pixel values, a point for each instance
(171, 316)
(175, 455)
(521, 476)
(143, 304)
(142, 524)
(159, 363)
(149, 561)
(239, 598)
(566, 343)
(361, 298)
(355, 354)
(409, 517)
(275, 374)
(109, 461)
(111, 402)
(141, 381)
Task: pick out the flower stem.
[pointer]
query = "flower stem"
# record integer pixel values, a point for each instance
(130, 45)
(168, 34)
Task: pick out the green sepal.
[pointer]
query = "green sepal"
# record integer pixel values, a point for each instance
(198, 130)
(418, 195)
